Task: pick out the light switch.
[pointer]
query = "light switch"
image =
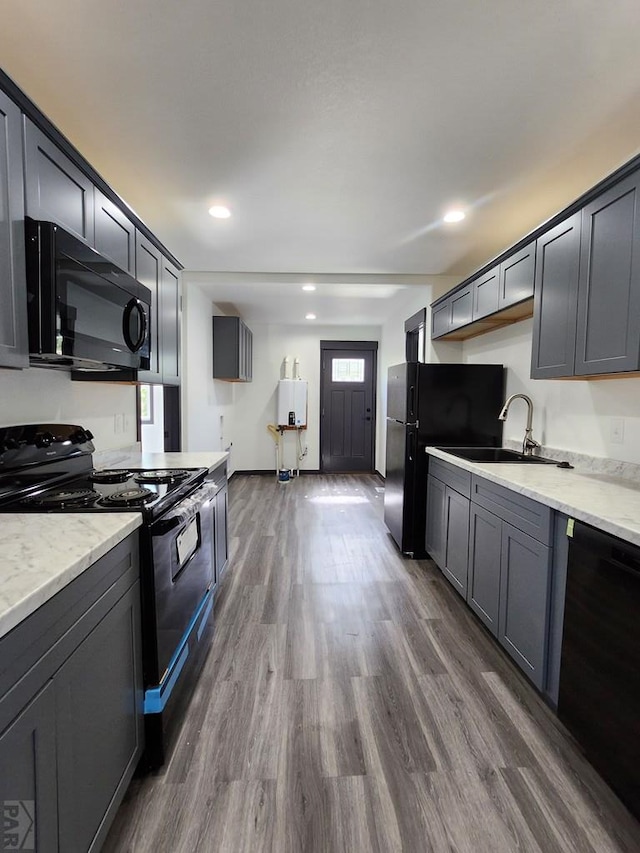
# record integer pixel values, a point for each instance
(616, 430)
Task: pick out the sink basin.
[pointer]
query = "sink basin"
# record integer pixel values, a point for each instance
(496, 454)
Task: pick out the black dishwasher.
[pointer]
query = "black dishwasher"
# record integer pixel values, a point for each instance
(599, 699)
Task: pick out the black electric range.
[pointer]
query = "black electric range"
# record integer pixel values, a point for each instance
(48, 468)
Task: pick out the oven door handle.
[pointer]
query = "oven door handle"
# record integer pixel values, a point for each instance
(185, 510)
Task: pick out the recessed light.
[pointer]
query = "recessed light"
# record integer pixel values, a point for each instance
(309, 316)
(308, 287)
(218, 211)
(454, 216)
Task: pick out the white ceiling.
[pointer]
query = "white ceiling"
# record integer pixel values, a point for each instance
(338, 132)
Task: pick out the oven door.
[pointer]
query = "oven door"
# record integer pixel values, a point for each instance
(182, 570)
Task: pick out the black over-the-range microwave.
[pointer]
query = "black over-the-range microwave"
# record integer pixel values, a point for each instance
(84, 312)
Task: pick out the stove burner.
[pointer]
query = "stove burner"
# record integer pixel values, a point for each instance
(110, 476)
(162, 476)
(128, 497)
(63, 498)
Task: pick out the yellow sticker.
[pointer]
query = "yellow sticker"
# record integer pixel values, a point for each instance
(570, 524)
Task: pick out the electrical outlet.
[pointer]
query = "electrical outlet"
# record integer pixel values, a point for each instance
(118, 424)
(616, 430)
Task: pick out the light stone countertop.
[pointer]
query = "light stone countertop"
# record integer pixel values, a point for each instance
(41, 553)
(200, 459)
(609, 503)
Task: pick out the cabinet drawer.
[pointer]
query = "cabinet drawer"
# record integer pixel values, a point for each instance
(457, 478)
(527, 515)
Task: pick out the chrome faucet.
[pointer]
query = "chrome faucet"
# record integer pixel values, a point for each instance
(529, 442)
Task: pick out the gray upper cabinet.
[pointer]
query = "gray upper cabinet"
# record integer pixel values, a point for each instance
(485, 294)
(441, 319)
(461, 307)
(148, 272)
(608, 331)
(56, 190)
(115, 234)
(517, 275)
(163, 280)
(14, 345)
(169, 323)
(556, 295)
(232, 350)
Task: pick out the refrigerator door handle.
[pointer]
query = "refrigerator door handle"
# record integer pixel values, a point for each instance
(412, 399)
(412, 446)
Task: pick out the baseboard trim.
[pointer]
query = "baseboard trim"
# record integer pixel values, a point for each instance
(261, 472)
(379, 475)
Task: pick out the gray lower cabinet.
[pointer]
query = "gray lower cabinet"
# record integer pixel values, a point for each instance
(28, 781)
(485, 546)
(495, 547)
(555, 301)
(447, 521)
(456, 535)
(98, 725)
(524, 601)
(56, 190)
(71, 693)
(434, 538)
(608, 326)
(14, 347)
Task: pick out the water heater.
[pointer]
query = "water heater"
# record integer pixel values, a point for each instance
(292, 402)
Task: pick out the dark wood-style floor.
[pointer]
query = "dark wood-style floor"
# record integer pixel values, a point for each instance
(351, 702)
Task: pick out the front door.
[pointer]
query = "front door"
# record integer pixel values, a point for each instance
(347, 405)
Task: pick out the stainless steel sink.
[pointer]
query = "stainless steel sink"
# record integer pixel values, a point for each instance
(496, 454)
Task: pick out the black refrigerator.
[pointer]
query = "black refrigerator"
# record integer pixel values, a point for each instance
(447, 405)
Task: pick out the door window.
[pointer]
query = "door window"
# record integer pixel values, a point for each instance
(347, 369)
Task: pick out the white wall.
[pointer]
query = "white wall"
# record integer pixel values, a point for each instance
(255, 402)
(568, 414)
(207, 404)
(43, 395)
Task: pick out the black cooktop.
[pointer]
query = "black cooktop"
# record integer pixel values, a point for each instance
(147, 490)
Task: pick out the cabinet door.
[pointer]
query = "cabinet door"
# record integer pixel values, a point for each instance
(608, 335)
(249, 354)
(485, 547)
(555, 301)
(485, 294)
(170, 319)
(456, 563)
(517, 276)
(28, 786)
(55, 188)
(220, 532)
(524, 601)
(435, 534)
(441, 319)
(461, 307)
(148, 272)
(14, 346)
(115, 234)
(99, 723)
